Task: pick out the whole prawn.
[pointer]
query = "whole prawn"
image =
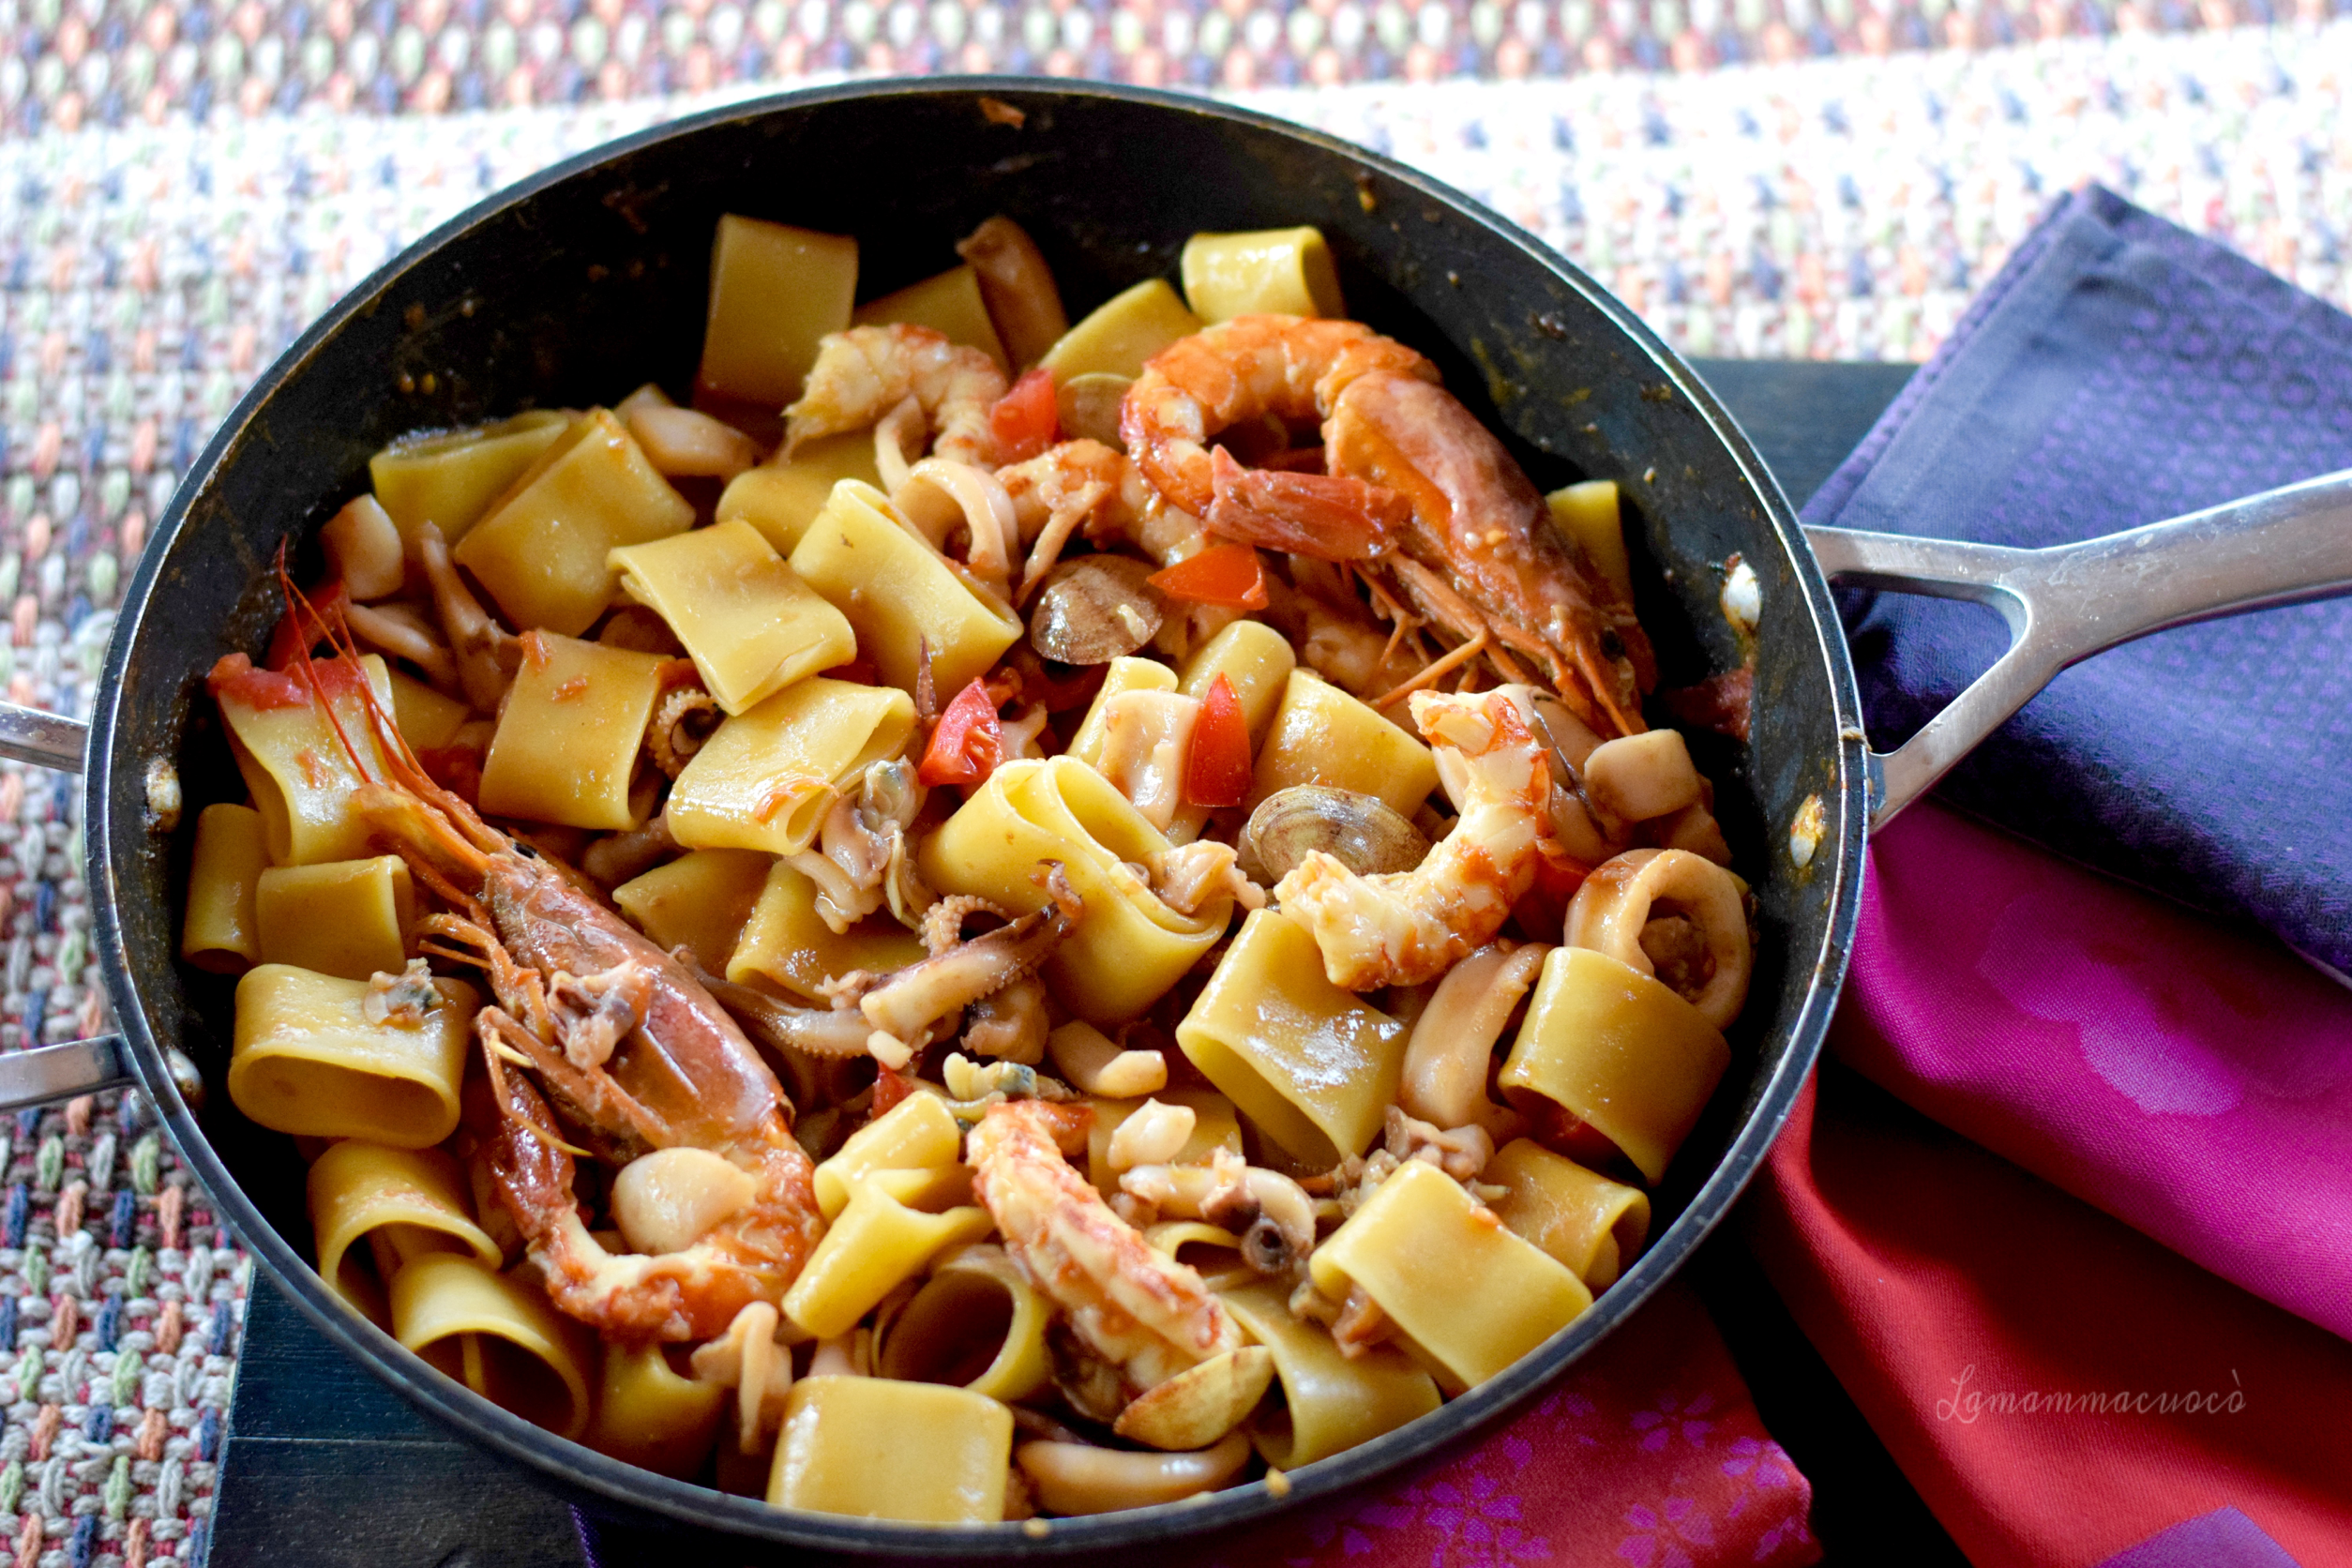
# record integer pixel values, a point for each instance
(1417, 490)
(1405, 928)
(615, 1032)
(1288, 367)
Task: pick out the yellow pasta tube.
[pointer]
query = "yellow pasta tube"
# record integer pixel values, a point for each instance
(1321, 735)
(1619, 1051)
(878, 1449)
(1126, 674)
(357, 1187)
(294, 761)
(775, 291)
(978, 1322)
(916, 1134)
(449, 479)
(1311, 1064)
(221, 929)
(427, 719)
(308, 1060)
(649, 1416)
(765, 779)
(498, 1337)
(568, 737)
(1588, 514)
(899, 594)
(787, 944)
(1121, 333)
(1591, 1224)
(345, 917)
(876, 1243)
(1267, 272)
(781, 499)
(1416, 1243)
(1214, 1126)
(751, 626)
(541, 551)
(1332, 1401)
(1256, 659)
(1128, 947)
(699, 901)
(949, 303)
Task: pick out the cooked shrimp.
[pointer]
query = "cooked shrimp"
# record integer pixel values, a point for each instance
(862, 374)
(692, 1293)
(1290, 367)
(637, 1052)
(1138, 1309)
(1477, 521)
(1405, 928)
(1086, 486)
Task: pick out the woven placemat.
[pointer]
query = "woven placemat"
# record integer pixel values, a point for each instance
(181, 191)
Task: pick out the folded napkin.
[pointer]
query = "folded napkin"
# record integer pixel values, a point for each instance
(2193, 1081)
(2058, 1388)
(1648, 1453)
(2117, 372)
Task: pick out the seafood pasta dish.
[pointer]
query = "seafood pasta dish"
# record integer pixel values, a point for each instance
(987, 918)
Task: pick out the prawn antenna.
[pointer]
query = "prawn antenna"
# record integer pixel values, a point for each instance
(399, 760)
(308, 620)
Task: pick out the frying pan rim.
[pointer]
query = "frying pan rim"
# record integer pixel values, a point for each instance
(575, 1469)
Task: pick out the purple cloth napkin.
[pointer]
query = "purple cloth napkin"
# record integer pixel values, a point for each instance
(2222, 1539)
(2117, 372)
(2193, 1081)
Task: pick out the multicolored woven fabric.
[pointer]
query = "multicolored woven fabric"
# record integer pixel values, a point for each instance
(184, 187)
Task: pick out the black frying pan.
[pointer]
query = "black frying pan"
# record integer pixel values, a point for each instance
(578, 284)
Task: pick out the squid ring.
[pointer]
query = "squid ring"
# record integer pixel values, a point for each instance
(1613, 905)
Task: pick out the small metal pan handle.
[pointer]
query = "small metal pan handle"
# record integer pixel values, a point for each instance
(2069, 602)
(61, 1072)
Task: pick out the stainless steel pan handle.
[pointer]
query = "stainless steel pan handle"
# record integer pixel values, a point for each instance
(2067, 603)
(61, 1072)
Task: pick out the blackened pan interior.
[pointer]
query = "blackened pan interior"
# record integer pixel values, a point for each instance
(580, 284)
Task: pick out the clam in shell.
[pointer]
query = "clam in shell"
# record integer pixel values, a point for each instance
(1093, 609)
(1196, 1408)
(1363, 832)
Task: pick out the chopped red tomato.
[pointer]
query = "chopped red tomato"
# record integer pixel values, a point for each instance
(1024, 421)
(967, 744)
(298, 633)
(1326, 516)
(234, 679)
(1230, 575)
(1217, 767)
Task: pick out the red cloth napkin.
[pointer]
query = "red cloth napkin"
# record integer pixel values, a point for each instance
(2059, 1386)
(1649, 1453)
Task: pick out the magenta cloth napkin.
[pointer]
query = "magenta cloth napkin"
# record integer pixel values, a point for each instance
(2193, 1081)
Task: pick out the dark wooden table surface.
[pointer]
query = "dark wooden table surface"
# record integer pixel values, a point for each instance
(326, 1469)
